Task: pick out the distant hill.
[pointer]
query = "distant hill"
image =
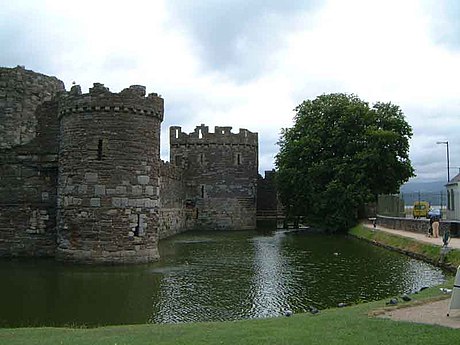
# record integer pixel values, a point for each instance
(423, 187)
(434, 192)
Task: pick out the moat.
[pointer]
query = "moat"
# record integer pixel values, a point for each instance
(210, 276)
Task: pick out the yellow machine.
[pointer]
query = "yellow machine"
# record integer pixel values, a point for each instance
(421, 209)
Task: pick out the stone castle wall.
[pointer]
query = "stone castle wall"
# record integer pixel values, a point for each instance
(29, 130)
(81, 176)
(221, 173)
(175, 216)
(108, 191)
(22, 93)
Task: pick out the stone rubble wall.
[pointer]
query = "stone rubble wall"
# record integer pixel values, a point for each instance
(21, 93)
(28, 162)
(175, 217)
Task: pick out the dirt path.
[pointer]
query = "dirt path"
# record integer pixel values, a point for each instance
(433, 313)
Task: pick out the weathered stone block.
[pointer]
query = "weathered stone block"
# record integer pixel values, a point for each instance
(95, 202)
(120, 202)
(150, 203)
(99, 190)
(143, 179)
(120, 190)
(91, 177)
(82, 189)
(136, 190)
(69, 189)
(45, 196)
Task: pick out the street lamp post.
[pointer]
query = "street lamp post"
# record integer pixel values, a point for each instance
(447, 147)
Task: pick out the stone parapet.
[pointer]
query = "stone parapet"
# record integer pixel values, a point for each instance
(130, 101)
(221, 136)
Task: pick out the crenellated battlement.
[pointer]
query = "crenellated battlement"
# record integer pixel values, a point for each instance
(100, 99)
(221, 136)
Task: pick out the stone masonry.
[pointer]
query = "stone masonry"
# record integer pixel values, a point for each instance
(220, 169)
(29, 131)
(81, 177)
(108, 191)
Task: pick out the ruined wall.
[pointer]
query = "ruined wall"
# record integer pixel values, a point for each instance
(175, 216)
(28, 162)
(108, 188)
(21, 93)
(220, 172)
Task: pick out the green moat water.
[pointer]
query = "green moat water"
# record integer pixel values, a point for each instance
(210, 276)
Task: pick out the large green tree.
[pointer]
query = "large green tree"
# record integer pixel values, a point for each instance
(340, 154)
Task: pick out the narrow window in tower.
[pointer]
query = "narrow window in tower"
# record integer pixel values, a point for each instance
(138, 226)
(201, 158)
(99, 150)
(177, 133)
(238, 159)
(202, 191)
(200, 134)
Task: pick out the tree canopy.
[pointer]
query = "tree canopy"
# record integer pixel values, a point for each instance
(339, 155)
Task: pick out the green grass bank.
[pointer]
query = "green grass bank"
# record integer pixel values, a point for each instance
(424, 251)
(349, 325)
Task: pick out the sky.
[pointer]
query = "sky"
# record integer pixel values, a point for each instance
(248, 64)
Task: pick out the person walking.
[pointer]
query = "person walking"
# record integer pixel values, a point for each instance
(435, 227)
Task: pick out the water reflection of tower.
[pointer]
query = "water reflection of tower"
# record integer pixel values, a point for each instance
(270, 288)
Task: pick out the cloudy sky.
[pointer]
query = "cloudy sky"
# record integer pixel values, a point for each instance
(247, 64)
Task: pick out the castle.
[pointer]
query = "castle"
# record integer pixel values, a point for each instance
(81, 177)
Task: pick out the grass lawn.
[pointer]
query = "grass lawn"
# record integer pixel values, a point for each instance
(349, 325)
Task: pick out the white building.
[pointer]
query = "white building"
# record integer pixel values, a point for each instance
(453, 198)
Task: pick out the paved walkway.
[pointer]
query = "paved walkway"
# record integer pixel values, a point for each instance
(454, 242)
(431, 313)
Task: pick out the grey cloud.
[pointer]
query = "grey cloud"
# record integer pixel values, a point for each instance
(237, 37)
(30, 36)
(19, 47)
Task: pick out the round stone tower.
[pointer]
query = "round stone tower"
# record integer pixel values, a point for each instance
(109, 158)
